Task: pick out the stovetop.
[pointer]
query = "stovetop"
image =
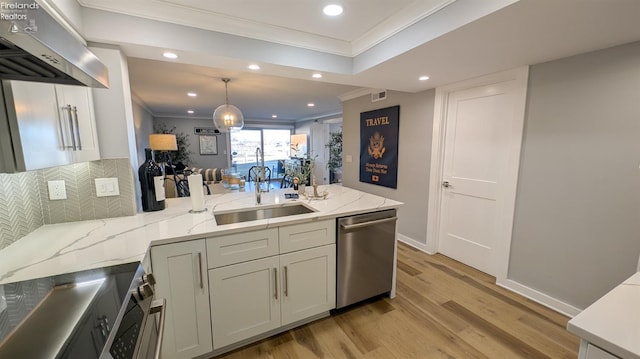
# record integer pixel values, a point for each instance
(67, 316)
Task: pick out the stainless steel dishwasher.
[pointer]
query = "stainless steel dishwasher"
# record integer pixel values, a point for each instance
(365, 247)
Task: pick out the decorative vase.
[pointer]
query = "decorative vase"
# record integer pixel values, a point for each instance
(301, 188)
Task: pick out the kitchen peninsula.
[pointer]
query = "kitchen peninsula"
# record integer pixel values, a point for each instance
(146, 237)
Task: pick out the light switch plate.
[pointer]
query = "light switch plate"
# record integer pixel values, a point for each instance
(349, 159)
(57, 190)
(106, 187)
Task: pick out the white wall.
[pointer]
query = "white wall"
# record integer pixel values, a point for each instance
(114, 112)
(114, 109)
(414, 154)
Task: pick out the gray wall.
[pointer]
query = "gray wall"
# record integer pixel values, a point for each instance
(143, 121)
(414, 154)
(577, 224)
(187, 126)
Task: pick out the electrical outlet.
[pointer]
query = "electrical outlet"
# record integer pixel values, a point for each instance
(57, 190)
(107, 187)
(349, 159)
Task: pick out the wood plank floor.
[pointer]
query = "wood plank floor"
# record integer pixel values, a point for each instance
(443, 309)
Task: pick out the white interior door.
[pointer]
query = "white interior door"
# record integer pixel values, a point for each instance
(478, 146)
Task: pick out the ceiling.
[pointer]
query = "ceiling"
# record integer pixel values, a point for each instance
(374, 44)
(163, 87)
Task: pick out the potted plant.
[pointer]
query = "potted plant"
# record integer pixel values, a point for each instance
(302, 169)
(335, 157)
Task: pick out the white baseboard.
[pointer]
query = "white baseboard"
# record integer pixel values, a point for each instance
(537, 296)
(413, 243)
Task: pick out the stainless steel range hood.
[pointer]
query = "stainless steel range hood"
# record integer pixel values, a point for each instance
(35, 47)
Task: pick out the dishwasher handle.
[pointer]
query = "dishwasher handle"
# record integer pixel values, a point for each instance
(367, 224)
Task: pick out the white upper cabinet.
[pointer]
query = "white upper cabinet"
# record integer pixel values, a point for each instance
(47, 125)
(33, 118)
(75, 106)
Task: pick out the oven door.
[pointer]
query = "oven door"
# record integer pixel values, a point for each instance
(138, 335)
(151, 338)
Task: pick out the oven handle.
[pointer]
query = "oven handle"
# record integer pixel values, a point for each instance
(367, 224)
(159, 305)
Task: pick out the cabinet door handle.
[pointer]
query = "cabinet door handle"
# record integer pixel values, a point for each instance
(286, 281)
(62, 134)
(71, 128)
(77, 127)
(275, 280)
(200, 270)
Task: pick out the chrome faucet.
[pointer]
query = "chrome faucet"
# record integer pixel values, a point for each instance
(259, 174)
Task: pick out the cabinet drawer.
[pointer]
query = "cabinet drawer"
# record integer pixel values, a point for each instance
(307, 235)
(241, 247)
(593, 352)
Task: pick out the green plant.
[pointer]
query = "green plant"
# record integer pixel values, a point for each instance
(182, 154)
(335, 150)
(334, 164)
(303, 169)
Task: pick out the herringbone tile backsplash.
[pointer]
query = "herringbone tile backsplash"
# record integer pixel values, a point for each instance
(20, 206)
(25, 204)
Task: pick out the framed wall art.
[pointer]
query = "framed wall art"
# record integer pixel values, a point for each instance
(379, 146)
(208, 145)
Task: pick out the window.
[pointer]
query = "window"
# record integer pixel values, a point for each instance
(274, 142)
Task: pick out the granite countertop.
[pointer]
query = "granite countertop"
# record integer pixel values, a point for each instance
(76, 246)
(613, 321)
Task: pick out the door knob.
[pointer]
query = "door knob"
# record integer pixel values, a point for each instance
(446, 184)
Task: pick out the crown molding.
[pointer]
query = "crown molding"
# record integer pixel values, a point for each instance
(396, 23)
(138, 100)
(208, 20)
(170, 12)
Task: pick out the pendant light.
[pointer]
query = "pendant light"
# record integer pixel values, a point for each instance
(228, 118)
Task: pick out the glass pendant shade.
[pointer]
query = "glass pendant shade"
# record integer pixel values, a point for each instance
(228, 118)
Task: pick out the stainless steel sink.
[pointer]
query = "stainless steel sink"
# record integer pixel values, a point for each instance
(260, 213)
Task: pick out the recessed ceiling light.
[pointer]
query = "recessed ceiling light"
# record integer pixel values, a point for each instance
(254, 67)
(423, 78)
(317, 75)
(192, 94)
(190, 111)
(332, 10)
(311, 104)
(170, 55)
(274, 116)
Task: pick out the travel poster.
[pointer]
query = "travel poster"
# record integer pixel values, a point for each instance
(379, 146)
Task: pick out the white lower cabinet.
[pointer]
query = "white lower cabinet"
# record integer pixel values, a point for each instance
(180, 272)
(290, 277)
(593, 352)
(309, 283)
(258, 282)
(251, 298)
(244, 300)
